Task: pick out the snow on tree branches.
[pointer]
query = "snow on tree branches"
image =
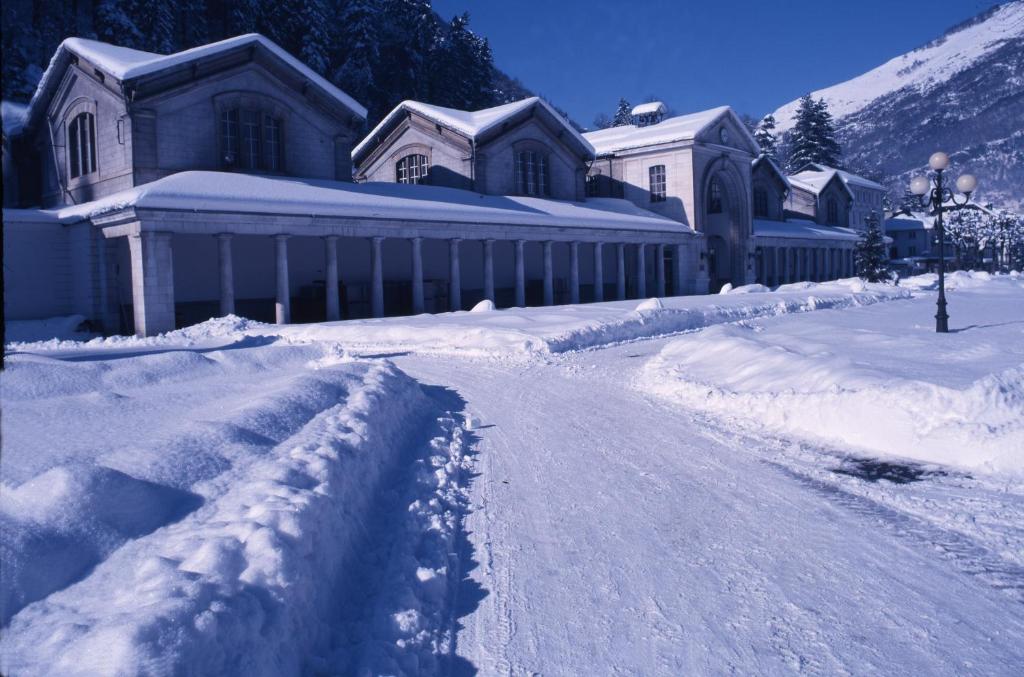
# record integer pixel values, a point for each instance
(870, 257)
(766, 138)
(813, 138)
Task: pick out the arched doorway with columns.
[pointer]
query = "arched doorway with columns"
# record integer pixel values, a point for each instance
(725, 222)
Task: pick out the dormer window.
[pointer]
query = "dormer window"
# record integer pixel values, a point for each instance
(412, 169)
(82, 145)
(532, 174)
(647, 114)
(715, 197)
(251, 140)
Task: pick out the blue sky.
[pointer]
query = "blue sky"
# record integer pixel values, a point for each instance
(753, 56)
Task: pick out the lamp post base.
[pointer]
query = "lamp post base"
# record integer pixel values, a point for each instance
(942, 319)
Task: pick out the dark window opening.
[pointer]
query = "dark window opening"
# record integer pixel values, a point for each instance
(656, 175)
(412, 169)
(532, 174)
(761, 202)
(715, 198)
(82, 145)
(251, 140)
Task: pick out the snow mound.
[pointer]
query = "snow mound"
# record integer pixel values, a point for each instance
(750, 289)
(484, 306)
(726, 288)
(875, 379)
(650, 304)
(193, 512)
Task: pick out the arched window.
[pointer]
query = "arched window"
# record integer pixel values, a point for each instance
(656, 175)
(832, 212)
(412, 169)
(715, 197)
(82, 145)
(532, 173)
(251, 139)
(760, 202)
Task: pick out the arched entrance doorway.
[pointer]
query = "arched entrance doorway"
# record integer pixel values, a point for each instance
(726, 225)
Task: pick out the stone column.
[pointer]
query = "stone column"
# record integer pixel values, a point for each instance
(620, 271)
(641, 271)
(828, 264)
(152, 282)
(417, 275)
(520, 274)
(489, 270)
(283, 306)
(454, 275)
(574, 272)
(659, 269)
(677, 270)
(549, 282)
(331, 278)
(377, 278)
(800, 264)
(776, 267)
(227, 275)
(598, 271)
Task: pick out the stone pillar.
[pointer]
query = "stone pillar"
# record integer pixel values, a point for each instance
(598, 271)
(454, 275)
(520, 274)
(489, 270)
(417, 275)
(677, 270)
(549, 282)
(659, 269)
(331, 278)
(828, 264)
(800, 265)
(376, 277)
(152, 282)
(776, 267)
(641, 271)
(574, 272)
(620, 271)
(227, 275)
(283, 305)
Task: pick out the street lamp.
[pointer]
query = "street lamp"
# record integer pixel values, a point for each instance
(937, 197)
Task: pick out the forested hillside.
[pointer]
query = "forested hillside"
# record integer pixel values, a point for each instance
(379, 51)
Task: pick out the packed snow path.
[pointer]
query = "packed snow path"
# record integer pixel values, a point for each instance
(614, 534)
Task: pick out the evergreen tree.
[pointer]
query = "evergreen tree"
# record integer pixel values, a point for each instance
(813, 138)
(765, 136)
(356, 45)
(464, 68)
(602, 121)
(870, 257)
(116, 23)
(406, 41)
(623, 114)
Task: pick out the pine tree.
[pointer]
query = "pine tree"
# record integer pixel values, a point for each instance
(356, 45)
(463, 76)
(870, 257)
(813, 138)
(602, 121)
(623, 114)
(765, 136)
(116, 23)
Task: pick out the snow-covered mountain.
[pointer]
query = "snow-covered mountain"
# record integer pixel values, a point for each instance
(963, 93)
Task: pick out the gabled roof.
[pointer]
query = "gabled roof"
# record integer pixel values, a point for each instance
(766, 161)
(817, 181)
(125, 65)
(649, 107)
(847, 177)
(670, 130)
(474, 125)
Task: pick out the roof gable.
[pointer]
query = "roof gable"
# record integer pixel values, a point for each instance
(671, 130)
(127, 65)
(817, 182)
(473, 125)
(848, 177)
(766, 164)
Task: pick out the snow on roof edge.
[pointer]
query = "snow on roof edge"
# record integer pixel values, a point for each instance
(91, 51)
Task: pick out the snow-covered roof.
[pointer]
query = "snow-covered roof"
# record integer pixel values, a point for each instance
(649, 107)
(848, 177)
(679, 128)
(247, 193)
(471, 124)
(799, 228)
(14, 115)
(907, 223)
(816, 181)
(126, 64)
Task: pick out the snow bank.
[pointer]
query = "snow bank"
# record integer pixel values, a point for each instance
(528, 331)
(875, 379)
(206, 503)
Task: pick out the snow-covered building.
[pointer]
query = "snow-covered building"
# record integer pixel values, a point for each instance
(219, 180)
(817, 194)
(704, 170)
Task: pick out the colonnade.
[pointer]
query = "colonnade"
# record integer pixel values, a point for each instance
(332, 273)
(785, 263)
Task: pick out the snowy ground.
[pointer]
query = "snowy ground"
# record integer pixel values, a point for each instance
(536, 491)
